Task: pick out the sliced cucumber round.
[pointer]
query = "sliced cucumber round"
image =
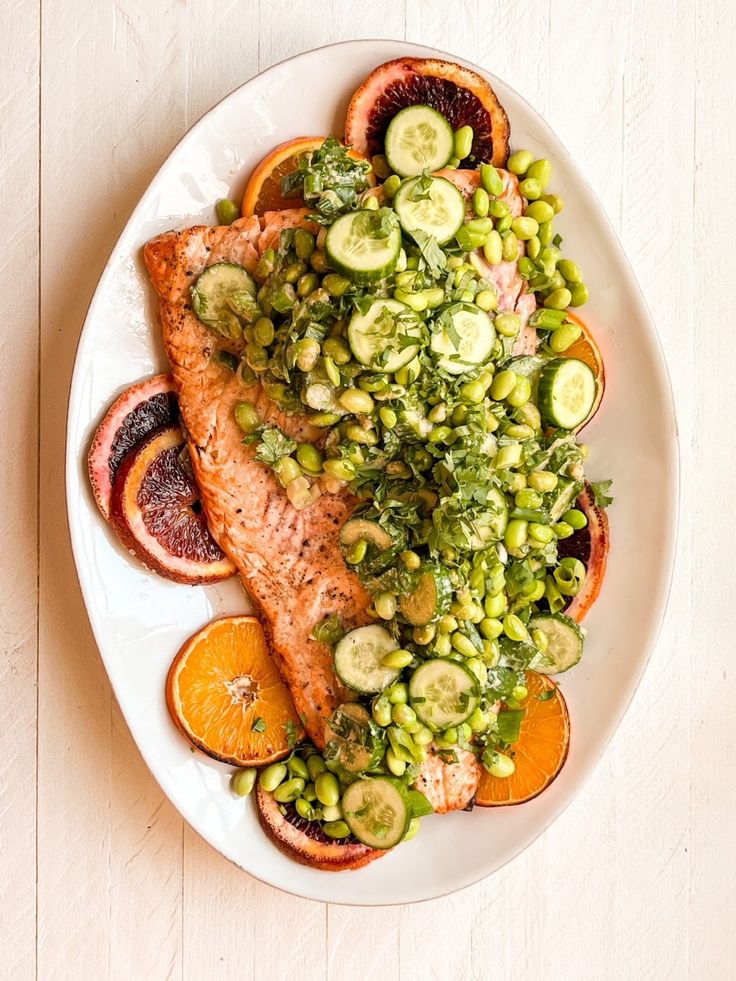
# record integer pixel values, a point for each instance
(381, 338)
(358, 247)
(565, 641)
(358, 659)
(353, 738)
(377, 811)
(215, 292)
(465, 338)
(431, 205)
(566, 392)
(418, 138)
(430, 598)
(443, 693)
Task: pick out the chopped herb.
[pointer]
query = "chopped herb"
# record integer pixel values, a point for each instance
(273, 446)
(290, 734)
(546, 695)
(259, 725)
(509, 724)
(600, 492)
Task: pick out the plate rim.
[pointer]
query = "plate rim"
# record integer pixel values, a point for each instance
(72, 456)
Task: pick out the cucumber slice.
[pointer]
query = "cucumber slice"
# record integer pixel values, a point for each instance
(358, 247)
(443, 693)
(431, 205)
(430, 597)
(353, 739)
(418, 138)
(465, 338)
(379, 338)
(565, 642)
(213, 293)
(377, 811)
(358, 659)
(566, 392)
(383, 547)
(565, 495)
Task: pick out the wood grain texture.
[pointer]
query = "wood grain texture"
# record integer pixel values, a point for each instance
(638, 877)
(19, 205)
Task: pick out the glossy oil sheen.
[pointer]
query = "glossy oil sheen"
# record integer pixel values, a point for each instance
(140, 621)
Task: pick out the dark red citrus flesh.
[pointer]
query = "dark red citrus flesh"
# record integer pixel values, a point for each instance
(590, 545)
(137, 412)
(459, 94)
(305, 841)
(157, 514)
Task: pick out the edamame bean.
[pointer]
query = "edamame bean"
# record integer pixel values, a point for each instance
(543, 481)
(519, 161)
(540, 170)
(501, 766)
(514, 537)
(327, 789)
(287, 792)
(578, 295)
(491, 179)
(357, 401)
(396, 659)
(533, 247)
(563, 530)
(356, 553)
(564, 337)
(247, 417)
(297, 767)
(530, 188)
(306, 350)
(315, 766)
(336, 829)
(570, 270)
(503, 384)
(227, 211)
(576, 519)
(541, 533)
(391, 186)
(520, 393)
(546, 233)
(514, 628)
(524, 228)
(242, 781)
(385, 605)
(509, 247)
(481, 202)
(479, 226)
(396, 766)
(303, 243)
(381, 711)
(342, 469)
(309, 457)
(507, 325)
(490, 627)
(337, 349)
(463, 142)
(335, 284)
(559, 299)
(287, 469)
(441, 434)
(398, 692)
(403, 715)
(493, 248)
(463, 645)
(555, 201)
(540, 211)
(528, 498)
(518, 431)
(306, 284)
(473, 392)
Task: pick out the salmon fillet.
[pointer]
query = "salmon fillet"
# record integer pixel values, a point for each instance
(513, 296)
(449, 786)
(289, 561)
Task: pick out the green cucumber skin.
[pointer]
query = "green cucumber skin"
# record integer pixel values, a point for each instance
(393, 153)
(557, 666)
(345, 669)
(442, 594)
(548, 378)
(362, 277)
(349, 807)
(402, 206)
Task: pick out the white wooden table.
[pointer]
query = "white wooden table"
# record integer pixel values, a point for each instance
(98, 876)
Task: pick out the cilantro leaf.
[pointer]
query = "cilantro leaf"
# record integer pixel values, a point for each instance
(509, 724)
(600, 492)
(273, 446)
(431, 252)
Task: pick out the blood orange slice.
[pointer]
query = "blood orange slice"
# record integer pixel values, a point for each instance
(305, 841)
(540, 751)
(226, 695)
(459, 94)
(156, 512)
(590, 545)
(136, 413)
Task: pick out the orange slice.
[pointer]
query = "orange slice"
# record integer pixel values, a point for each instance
(540, 751)
(226, 695)
(263, 192)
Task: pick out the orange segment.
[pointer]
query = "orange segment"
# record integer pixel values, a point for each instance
(540, 751)
(585, 349)
(263, 192)
(226, 695)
